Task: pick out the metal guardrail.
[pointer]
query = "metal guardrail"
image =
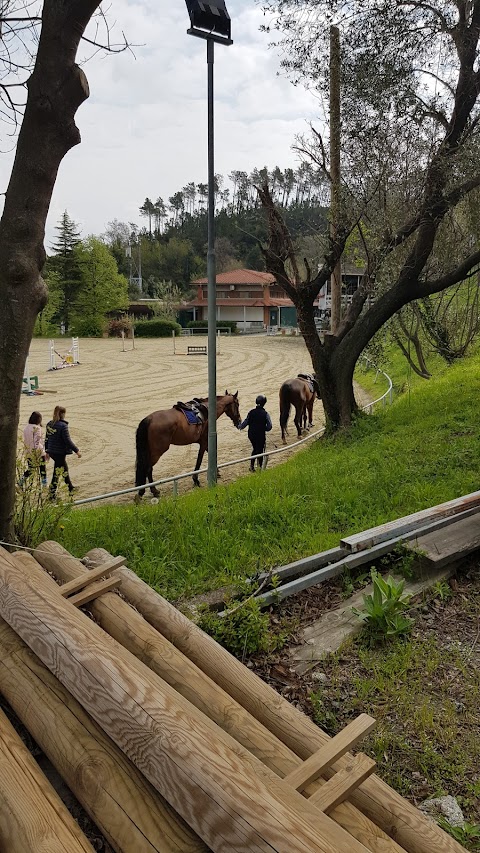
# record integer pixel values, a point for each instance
(177, 477)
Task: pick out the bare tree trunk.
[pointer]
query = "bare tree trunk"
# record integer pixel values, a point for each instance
(56, 89)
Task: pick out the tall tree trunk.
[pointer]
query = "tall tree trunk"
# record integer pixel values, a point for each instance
(56, 89)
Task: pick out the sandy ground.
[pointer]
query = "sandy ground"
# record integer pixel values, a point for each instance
(108, 394)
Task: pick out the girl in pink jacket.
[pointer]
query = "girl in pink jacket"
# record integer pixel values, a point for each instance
(35, 447)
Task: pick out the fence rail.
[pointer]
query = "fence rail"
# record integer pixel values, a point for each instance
(387, 395)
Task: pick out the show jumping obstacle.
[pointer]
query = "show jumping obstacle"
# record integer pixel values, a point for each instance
(70, 359)
(170, 743)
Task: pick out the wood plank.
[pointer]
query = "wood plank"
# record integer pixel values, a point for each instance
(32, 815)
(314, 766)
(384, 806)
(445, 546)
(128, 627)
(93, 591)
(89, 576)
(226, 795)
(340, 786)
(368, 538)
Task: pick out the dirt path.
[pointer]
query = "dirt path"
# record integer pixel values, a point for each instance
(108, 394)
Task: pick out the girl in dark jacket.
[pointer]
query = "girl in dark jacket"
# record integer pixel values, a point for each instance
(58, 445)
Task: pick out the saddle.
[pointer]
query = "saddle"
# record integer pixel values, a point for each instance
(195, 411)
(312, 382)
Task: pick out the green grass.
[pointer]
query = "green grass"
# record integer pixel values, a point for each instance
(421, 451)
(423, 693)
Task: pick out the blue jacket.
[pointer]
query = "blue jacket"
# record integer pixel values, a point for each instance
(57, 439)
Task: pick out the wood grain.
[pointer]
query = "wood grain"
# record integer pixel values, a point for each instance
(395, 815)
(88, 577)
(337, 789)
(218, 788)
(93, 590)
(127, 810)
(32, 816)
(138, 636)
(314, 766)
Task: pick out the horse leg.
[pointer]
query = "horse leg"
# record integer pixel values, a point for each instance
(198, 463)
(153, 489)
(298, 419)
(310, 411)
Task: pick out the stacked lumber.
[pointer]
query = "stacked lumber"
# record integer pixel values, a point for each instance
(167, 740)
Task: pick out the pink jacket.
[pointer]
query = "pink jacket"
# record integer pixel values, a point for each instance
(33, 438)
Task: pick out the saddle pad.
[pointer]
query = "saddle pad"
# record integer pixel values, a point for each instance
(191, 417)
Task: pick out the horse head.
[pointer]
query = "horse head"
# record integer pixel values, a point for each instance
(232, 408)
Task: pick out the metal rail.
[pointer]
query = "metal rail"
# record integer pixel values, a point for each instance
(177, 477)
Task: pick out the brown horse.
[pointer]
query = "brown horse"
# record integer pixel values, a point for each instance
(158, 431)
(297, 392)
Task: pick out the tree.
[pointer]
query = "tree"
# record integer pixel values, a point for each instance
(410, 155)
(102, 289)
(55, 88)
(65, 264)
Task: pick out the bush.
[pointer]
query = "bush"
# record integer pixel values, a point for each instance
(243, 630)
(90, 327)
(36, 517)
(156, 328)
(116, 327)
(221, 324)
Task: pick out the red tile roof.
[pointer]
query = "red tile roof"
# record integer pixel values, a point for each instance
(240, 276)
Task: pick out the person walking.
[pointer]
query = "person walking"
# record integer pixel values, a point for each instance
(35, 448)
(58, 446)
(259, 423)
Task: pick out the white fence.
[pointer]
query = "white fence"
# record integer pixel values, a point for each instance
(386, 396)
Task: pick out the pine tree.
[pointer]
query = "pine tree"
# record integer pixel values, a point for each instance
(64, 262)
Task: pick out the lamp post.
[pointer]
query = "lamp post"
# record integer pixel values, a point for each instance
(211, 21)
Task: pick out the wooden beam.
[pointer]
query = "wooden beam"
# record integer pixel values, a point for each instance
(314, 766)
(340, 786)
(93, 591)
(130, 629)
(368, 538)
(32, 815)
(131, 815)
(381, 804)
(226, 795)
(89, 576)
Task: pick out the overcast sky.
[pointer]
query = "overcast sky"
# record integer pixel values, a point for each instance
(144, 126)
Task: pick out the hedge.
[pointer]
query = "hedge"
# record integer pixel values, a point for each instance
(157, 328)
(221, 324)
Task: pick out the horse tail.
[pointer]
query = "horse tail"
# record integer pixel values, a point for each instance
(142, 463)
(284, 407)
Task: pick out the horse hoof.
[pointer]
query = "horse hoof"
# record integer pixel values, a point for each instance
(284, 441)
(311, 425)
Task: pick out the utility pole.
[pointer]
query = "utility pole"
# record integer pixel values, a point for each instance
(336, 277)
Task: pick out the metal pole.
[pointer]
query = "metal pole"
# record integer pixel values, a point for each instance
(336, 278)
(212, 287)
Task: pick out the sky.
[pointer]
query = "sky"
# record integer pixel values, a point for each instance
(144, 126)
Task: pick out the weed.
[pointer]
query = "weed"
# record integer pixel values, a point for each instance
(384, 609)
(468, 835)
(243, 630)
(402, 560)
(36, 517)
(442, 590)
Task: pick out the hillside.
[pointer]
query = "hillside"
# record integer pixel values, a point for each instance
(422, 450)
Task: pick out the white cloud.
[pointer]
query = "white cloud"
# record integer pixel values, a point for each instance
(144, 126)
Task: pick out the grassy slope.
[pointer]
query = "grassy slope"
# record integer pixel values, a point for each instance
(421, 451)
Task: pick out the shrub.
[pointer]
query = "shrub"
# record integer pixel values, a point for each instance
(89, 327)
(243, 630)
(116, 327)
(156, 328)
(383, 612)
(221, 324)
(36, 517)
